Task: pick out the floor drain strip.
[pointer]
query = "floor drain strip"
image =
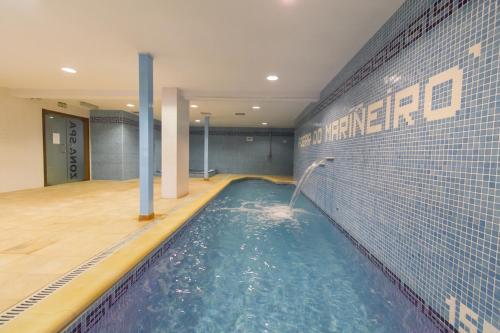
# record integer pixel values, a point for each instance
(39, 295)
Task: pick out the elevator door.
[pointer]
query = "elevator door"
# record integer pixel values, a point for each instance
(64, 149)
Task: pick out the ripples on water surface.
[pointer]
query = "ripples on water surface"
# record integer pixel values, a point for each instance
(247, 264)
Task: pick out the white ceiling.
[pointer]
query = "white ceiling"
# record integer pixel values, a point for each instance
(217, 51)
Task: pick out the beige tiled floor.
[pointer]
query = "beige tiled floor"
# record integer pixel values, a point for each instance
(46, 232)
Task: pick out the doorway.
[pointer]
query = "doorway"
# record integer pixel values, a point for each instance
(65, 148)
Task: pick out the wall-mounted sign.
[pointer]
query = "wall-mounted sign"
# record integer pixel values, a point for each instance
(377, 116)
(56, 138)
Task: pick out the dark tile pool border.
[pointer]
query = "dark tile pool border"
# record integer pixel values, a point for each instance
(90, 318)
(442, 324)
(87, 321)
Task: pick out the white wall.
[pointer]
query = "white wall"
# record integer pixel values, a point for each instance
(175, 144)
(21, 140)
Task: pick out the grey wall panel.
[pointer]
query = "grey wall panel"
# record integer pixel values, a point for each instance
(229, 151)
(157, 149)
(130, 151)
(106, 137)
(114, 139)
(115, 148)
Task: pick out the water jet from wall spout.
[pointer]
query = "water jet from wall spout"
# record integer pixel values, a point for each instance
(310, 169)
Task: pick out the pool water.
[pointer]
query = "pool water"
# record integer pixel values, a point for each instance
(248, 264)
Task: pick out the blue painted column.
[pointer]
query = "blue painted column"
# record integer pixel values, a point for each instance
(146, 131)
(205, 150)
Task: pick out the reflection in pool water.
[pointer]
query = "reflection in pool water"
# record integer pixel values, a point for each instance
(247, 263)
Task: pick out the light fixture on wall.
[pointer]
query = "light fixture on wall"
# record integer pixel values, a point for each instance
(69, 70)
(272, 77)
(256, 107)
(265, 124)
(129, 105)
(197, 120)
(194, 106)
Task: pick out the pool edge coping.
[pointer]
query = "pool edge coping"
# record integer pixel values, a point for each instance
(60, 309)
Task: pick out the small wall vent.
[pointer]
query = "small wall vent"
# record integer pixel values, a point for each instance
(88, 105)
(62, 105)
(239, 113)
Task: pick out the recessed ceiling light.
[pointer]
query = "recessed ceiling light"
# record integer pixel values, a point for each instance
(194, 106)
(197, 120)
(255, 107)
(130, 105)
(265, 124)
(272, 77)
(69, 70)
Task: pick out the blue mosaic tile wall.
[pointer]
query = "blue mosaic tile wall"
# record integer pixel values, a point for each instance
(413, 121)
(114, 145)
(244, 150)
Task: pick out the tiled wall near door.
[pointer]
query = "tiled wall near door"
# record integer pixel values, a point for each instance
(413, 121)
(114, 137)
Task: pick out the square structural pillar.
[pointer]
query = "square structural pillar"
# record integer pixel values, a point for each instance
(146, 121)
(205, 148)
(174, 144)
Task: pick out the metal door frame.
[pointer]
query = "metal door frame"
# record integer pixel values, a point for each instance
(86, 150)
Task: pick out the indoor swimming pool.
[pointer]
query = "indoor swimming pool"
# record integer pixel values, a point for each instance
(247, 263)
